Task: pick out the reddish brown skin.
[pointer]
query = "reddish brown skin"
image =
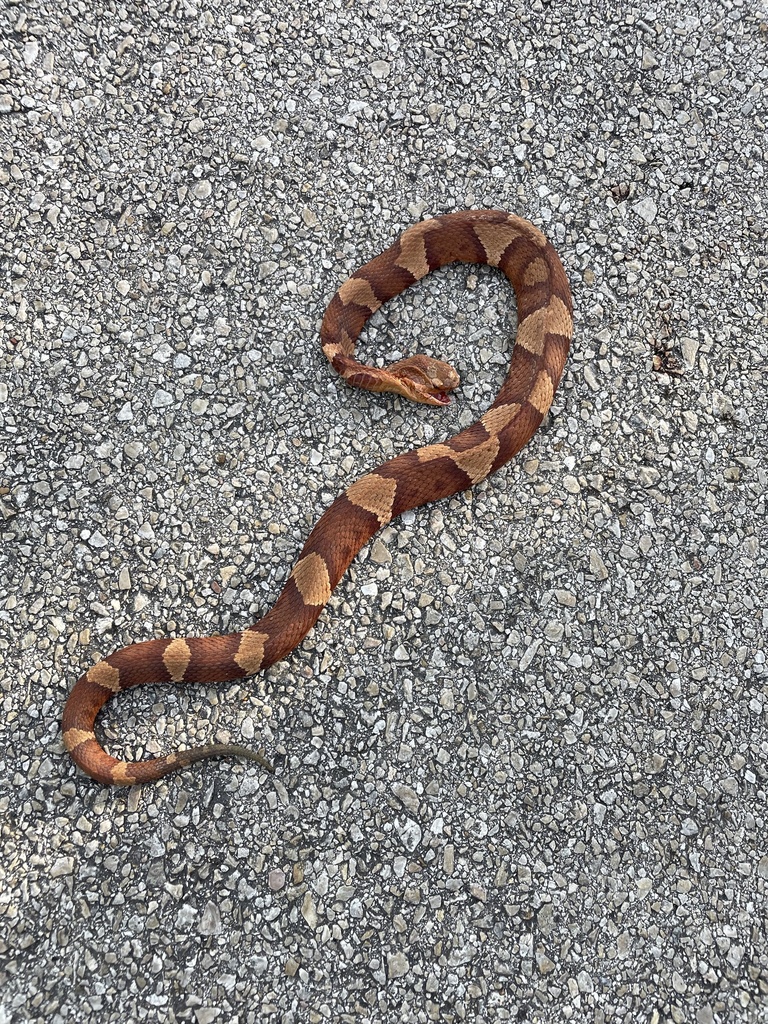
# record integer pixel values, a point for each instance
(545, 327)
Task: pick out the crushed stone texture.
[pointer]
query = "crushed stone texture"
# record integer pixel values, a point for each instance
(521, 760)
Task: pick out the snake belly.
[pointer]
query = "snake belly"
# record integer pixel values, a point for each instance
(545, 328)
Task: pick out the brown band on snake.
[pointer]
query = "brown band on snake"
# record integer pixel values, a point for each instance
(545, 327)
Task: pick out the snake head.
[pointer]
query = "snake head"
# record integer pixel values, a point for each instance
(423, 379)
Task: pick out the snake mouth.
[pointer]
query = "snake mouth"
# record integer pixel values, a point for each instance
(442, 397)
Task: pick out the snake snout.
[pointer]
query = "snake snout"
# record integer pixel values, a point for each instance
(424, 379)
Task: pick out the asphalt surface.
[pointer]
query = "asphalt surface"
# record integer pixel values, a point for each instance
(521, 760)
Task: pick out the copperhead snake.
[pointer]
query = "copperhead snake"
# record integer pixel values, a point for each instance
(545, 328)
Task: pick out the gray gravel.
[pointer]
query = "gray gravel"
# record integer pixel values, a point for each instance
(522, 758)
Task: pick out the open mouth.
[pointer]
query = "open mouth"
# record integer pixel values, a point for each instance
(442, 397)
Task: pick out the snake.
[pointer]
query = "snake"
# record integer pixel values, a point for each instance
(430, 473)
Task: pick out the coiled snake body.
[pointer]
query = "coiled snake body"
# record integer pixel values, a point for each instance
(545, 327)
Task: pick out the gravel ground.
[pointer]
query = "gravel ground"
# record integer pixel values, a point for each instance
(521, 761)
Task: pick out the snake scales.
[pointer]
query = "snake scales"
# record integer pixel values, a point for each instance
(545, 327)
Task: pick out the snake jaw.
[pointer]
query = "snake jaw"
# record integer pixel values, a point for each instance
(423, 379)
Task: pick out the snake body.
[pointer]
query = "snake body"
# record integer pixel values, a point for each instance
(545, 327)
